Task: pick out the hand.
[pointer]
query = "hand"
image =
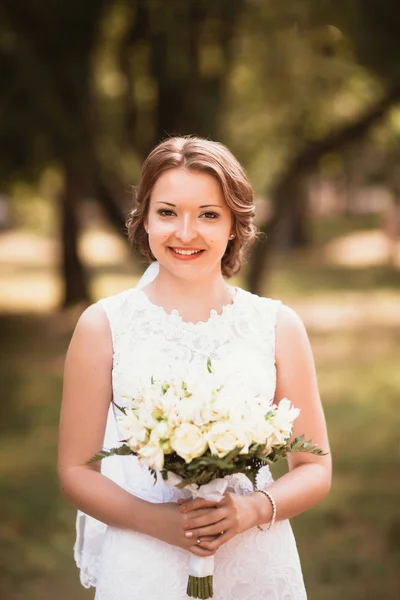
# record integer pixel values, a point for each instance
(232, 515)
(167, 524)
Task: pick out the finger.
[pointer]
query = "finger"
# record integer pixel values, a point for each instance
(195, 520)
(198, 546)
(227, 499)
(202, 516)
(195, 504)
(214, 530)
(213, 545)
(183, 500)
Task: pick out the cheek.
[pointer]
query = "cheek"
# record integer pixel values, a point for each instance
(158, 229)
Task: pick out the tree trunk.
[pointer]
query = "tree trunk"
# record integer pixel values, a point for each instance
(272, 233)
(112, 198)
(73, 271)
(295, 231)
(284, 192)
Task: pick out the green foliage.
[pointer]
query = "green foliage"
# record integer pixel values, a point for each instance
(206, 468)
(123, 450)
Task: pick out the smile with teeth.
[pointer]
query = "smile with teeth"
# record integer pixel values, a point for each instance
(186, 252)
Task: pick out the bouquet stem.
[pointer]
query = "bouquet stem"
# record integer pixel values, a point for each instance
(200, 587)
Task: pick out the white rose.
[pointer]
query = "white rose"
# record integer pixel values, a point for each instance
(224, 436)
(188, 441)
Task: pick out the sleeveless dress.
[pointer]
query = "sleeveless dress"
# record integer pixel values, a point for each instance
(254, 565)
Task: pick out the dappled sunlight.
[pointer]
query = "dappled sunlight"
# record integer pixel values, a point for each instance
(351, 310)
(25, 248)
(103, 248)
(362, 249)
(29, 292)
(109, 284)
(30, 280)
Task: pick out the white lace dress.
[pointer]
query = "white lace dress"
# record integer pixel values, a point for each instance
(131, 566)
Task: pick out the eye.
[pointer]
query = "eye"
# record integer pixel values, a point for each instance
(210, 215)
(165, 212)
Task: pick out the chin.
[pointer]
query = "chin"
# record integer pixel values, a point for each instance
(188, 270)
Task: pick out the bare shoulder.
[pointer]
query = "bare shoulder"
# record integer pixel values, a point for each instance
(93, 319)
(289, 320)
(92, 333)
(291, 334)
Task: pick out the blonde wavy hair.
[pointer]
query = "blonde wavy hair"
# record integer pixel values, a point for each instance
(205, 156)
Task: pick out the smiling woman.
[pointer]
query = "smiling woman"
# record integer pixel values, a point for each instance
(188, 230)
(194, 215)
(203, 176)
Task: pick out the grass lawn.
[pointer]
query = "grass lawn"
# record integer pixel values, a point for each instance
(349, 544)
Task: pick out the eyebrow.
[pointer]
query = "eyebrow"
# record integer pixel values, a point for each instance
(202, 206)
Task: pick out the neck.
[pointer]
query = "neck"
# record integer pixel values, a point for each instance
(194, 300)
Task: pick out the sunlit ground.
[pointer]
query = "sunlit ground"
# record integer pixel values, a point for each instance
(348, 296)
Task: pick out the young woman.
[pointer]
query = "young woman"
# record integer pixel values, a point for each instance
(194, 215)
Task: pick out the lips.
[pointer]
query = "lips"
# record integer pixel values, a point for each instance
(185, 253)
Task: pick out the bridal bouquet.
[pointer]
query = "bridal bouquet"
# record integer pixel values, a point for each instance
(196, 429)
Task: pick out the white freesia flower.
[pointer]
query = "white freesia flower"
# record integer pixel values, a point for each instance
(189, 441)
(260, 431)
(187, 411)
(284, 417)
(152, 455)
(145, 417)
(224, 436)
(135, 433)
(161, 435)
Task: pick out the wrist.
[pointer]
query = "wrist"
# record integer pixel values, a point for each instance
(261, 512)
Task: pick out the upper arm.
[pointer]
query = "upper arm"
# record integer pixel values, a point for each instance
(87, 389)
(297, 381)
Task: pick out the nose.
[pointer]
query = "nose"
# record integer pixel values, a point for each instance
(186, 230)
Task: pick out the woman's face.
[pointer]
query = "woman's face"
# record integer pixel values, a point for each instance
(189, 223)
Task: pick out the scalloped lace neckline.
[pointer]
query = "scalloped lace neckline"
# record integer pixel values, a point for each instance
(227, 310)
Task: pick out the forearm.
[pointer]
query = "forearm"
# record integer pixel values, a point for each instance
(294, 493)
(96, 495)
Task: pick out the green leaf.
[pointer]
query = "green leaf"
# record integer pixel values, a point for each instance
(123, 450)
(121, 408)
(209, 365)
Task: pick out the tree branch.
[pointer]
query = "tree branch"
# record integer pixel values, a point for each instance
(283, 193)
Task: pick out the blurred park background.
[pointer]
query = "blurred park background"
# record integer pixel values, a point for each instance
(307, 95)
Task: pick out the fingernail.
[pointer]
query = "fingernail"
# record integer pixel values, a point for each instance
(183, 508)
(189, 534)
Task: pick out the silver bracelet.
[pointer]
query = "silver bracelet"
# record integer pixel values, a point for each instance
(273, 518)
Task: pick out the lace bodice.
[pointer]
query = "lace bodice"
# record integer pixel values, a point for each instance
(143, 334)
(242, 339)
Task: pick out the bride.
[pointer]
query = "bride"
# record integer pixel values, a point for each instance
(194, 216)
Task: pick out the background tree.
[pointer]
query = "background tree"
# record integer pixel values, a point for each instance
(92, 87)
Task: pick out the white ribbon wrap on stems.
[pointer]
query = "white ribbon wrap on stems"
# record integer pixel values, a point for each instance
(214, 492)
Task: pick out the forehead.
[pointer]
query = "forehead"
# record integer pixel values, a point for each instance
(178, 185)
